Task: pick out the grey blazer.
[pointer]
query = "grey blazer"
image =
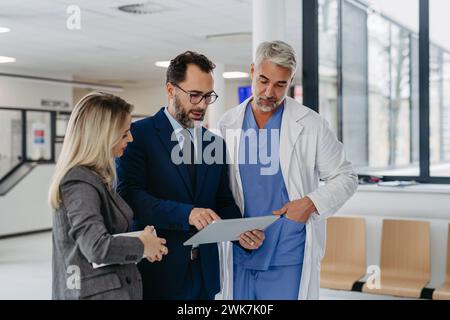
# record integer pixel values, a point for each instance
(82, 234)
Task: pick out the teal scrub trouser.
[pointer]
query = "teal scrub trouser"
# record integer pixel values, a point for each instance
(276, 283)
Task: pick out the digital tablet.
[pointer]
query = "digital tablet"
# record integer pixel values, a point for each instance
(229, 229)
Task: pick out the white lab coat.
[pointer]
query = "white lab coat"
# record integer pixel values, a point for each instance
(309, 151)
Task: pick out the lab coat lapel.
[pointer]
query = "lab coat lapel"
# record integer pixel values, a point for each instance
(232, 139)
(291, 128)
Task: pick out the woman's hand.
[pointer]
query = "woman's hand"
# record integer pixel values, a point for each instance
(154, 247)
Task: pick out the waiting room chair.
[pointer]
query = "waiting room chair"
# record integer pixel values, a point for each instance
(405, 258)
(443, 292)
(344, 262)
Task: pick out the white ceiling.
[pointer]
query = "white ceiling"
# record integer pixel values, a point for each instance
(118, 47)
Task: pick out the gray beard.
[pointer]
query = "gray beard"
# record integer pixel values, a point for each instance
(182, 117)
(266, 108)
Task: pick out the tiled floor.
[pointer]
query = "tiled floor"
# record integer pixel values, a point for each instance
(25, 267)
(25, 271)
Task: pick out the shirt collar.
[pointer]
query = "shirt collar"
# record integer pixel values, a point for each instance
(177, 127)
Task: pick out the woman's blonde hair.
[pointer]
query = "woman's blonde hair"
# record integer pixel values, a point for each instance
(93, 130)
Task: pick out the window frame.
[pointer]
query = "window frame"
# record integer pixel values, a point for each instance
(310, 51)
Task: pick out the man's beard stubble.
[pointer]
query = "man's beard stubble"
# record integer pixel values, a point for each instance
(266, 108)
(183, 117)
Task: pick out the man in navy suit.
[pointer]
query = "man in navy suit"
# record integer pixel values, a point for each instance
(179, 198)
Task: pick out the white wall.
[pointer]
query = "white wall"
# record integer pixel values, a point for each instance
(24, 208)
(148, 99)
(28, 94)
(231, 91)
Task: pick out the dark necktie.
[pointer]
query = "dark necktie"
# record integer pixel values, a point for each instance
(191, 163)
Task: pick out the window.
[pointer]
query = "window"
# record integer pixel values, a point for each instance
(369, 81)
(439, 89)
(328, 68)
(11, 141)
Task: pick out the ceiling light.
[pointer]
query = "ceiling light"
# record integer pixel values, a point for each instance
(143, 8)
(230, 37)
(6, 59)
(4, 29)
(235, 75)
(162, 64)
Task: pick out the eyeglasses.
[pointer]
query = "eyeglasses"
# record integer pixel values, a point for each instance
(196, 98)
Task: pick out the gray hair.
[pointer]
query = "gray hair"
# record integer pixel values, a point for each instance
(278, 52)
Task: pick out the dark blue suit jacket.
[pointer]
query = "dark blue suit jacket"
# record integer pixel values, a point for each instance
(160, 194)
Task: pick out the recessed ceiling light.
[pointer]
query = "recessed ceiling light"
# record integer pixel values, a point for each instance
(143, 8)
(235, 75)
(230, 37)
(162, 64)
(4, 29)
(6, 59)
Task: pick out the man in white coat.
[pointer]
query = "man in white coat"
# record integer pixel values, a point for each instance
(278, 151)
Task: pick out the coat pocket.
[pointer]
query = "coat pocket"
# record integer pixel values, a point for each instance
(98, 284)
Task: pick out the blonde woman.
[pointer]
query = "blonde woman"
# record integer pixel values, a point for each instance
(89, 211)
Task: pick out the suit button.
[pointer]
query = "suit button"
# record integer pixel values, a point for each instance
(128, 280)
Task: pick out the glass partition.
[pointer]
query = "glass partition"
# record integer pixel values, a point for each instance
(10, 141)
(368, 71)
(439, 89)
